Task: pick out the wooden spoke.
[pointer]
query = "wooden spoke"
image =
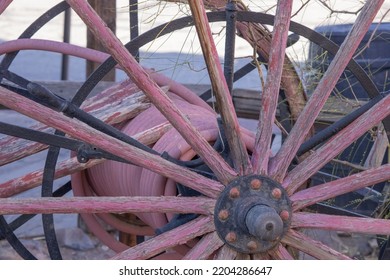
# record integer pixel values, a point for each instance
(341, 186)
(311, 247)
(167, 240)
(226, 253)
(270, 93)
(110, 109)
(341, 223)
(139, 76)
(220, 88)
(281, 253)
(336, 145)
(85, 133)
(282, 160)
(205, 247)
(72, 165)
(49, 205)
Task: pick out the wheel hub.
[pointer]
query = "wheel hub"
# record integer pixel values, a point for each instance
(252, 214)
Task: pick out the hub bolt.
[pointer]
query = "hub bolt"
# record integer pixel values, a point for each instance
(231, 237)
(223, 215)
(255, 184)
(284, 215)
(276, 193)
(252, 245)
(234, 192)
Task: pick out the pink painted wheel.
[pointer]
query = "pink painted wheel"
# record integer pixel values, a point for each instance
(241, 201)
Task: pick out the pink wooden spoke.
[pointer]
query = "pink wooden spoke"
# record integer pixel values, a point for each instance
(270, 93)
(341, 223)
(167, 240)
(280, 163)
(226, 253)
(85, 133)
(336, 145)
(224, 99)
(100, 57)
(281, 253)
(72, 165)
(261, 256)
(108, 110)
(341, 186)
(48, 205)
(3, 5)
(138, 75)
(205, 247)
(311, 247)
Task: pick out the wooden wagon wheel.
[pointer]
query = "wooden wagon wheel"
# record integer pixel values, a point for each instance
(251, 205)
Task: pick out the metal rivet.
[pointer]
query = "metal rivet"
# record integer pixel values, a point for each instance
(284, 215)
(223, 215)
(255, 184)
(276, 193)
(234, 193)
(252, 245)
(231, 237)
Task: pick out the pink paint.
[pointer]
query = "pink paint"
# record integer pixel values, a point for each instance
(282, 160)
(270, 93)
(341, 223)
(336, 145)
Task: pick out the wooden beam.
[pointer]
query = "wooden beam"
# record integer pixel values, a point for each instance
(107, 11)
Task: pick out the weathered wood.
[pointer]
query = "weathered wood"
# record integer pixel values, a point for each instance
(280, 253)
(282, 160)
(85, 133)
(311, 247)
(205, 247)
(341, 186)
(212, 158)
(97, 56)
(220, 88)
(167, 240)
(121, 204)
(4, 4)
(226, 253)
(72, 165)
(341, 223)
(378, 149)
(336, 145)
(111, 109)
(262, 150)
(106, 9)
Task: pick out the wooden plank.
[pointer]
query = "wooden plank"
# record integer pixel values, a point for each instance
(106, 9)
(247, 102)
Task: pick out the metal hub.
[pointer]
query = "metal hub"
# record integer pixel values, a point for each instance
(252, 214)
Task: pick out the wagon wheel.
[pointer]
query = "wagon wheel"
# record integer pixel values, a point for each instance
(257, 205)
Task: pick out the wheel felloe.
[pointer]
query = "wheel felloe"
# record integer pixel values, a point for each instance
(252, 214)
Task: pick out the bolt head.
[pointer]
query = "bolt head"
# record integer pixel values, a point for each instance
(255, 184)
(276, 193)
(234, 192)
(252, 245)
(223, 215)
(284, 215)
(231, 237)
